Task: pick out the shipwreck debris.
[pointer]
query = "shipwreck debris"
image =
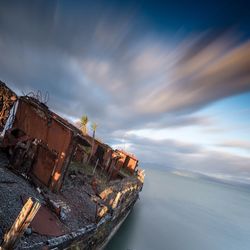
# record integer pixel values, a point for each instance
(84, 187)
(47, 223)
(7, 100)
(21, 223)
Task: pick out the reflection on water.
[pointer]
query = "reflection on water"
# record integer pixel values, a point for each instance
(181, 213)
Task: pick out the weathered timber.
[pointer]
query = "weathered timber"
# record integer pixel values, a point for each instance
(21, 223)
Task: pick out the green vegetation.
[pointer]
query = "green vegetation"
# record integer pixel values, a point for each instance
(84, 122)
(87, 170)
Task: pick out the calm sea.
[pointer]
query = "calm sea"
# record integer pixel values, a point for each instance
(183, 213)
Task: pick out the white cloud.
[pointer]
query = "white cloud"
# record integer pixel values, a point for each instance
(107, 65)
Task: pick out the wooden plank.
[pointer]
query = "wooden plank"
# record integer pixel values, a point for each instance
(22, 221)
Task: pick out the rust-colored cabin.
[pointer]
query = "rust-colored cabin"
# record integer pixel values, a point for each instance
(56, 135)
(82, 149)
(125, 163)
(129, 161)
(115, 162)
(99, 151)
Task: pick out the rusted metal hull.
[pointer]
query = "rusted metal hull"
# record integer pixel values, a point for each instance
(50, 232)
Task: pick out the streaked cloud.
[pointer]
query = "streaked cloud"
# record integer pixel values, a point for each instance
(187, 156)
(112, 65)
(236, 144)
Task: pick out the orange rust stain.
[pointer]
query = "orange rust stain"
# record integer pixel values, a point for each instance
(56, 176)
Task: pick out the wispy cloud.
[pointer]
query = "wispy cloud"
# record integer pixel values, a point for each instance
(107, 63)
(236, 144)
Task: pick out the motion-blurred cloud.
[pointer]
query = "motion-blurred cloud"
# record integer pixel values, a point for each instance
(111, 64)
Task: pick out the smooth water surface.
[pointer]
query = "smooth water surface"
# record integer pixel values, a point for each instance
(183, 213)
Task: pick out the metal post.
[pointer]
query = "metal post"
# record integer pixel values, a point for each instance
(95, 166)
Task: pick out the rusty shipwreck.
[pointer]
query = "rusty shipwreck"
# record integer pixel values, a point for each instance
(59, 188)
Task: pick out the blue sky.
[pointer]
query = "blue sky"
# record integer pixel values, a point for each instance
(169, 82)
